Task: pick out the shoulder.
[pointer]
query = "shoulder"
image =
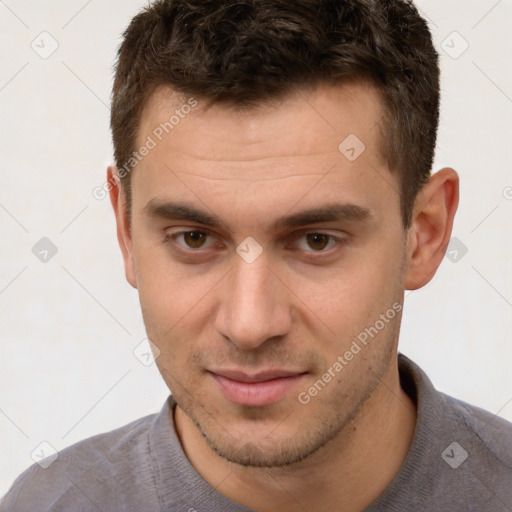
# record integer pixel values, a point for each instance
(82, 474)
(461, 455)
(490, 434)
(442, 417)
(477, 456)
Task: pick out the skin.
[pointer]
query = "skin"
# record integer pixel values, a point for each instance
(210, 310)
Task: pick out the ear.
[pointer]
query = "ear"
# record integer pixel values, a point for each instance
(118, 200)
(431, 227)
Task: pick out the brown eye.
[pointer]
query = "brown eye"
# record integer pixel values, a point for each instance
(317, 241)
(194, 239)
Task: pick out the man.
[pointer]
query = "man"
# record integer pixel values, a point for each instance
(273, 200)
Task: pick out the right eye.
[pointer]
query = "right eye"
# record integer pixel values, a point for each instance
(189, 240)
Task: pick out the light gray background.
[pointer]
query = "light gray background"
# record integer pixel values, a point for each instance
(68, 327)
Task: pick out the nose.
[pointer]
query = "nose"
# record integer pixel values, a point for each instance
(253, 307)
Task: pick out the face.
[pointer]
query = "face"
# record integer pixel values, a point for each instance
(270, 266)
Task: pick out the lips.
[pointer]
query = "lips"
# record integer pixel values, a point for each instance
(256, 390)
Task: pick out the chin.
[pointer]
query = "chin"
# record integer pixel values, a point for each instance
(269, 444)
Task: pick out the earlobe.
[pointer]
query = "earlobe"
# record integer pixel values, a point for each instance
(118, 200)
(431, 227)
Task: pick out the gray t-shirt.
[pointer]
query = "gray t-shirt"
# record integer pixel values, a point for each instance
(460, 460)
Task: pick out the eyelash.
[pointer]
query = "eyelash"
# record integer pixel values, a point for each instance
(312, 255)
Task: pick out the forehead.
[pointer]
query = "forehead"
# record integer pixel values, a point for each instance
(321, 142)
(306, 122)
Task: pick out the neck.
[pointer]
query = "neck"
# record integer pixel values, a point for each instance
(348, 474)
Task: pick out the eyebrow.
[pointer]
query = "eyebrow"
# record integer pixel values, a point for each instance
(332, 212)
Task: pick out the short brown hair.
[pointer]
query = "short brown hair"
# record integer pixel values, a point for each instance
(246, 52)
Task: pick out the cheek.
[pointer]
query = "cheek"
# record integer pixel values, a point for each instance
(354, 295)
(167, 301)
(162, 294)
(173, 320)
(174, 298)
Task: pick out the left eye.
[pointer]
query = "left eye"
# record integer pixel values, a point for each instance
(318, 242)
